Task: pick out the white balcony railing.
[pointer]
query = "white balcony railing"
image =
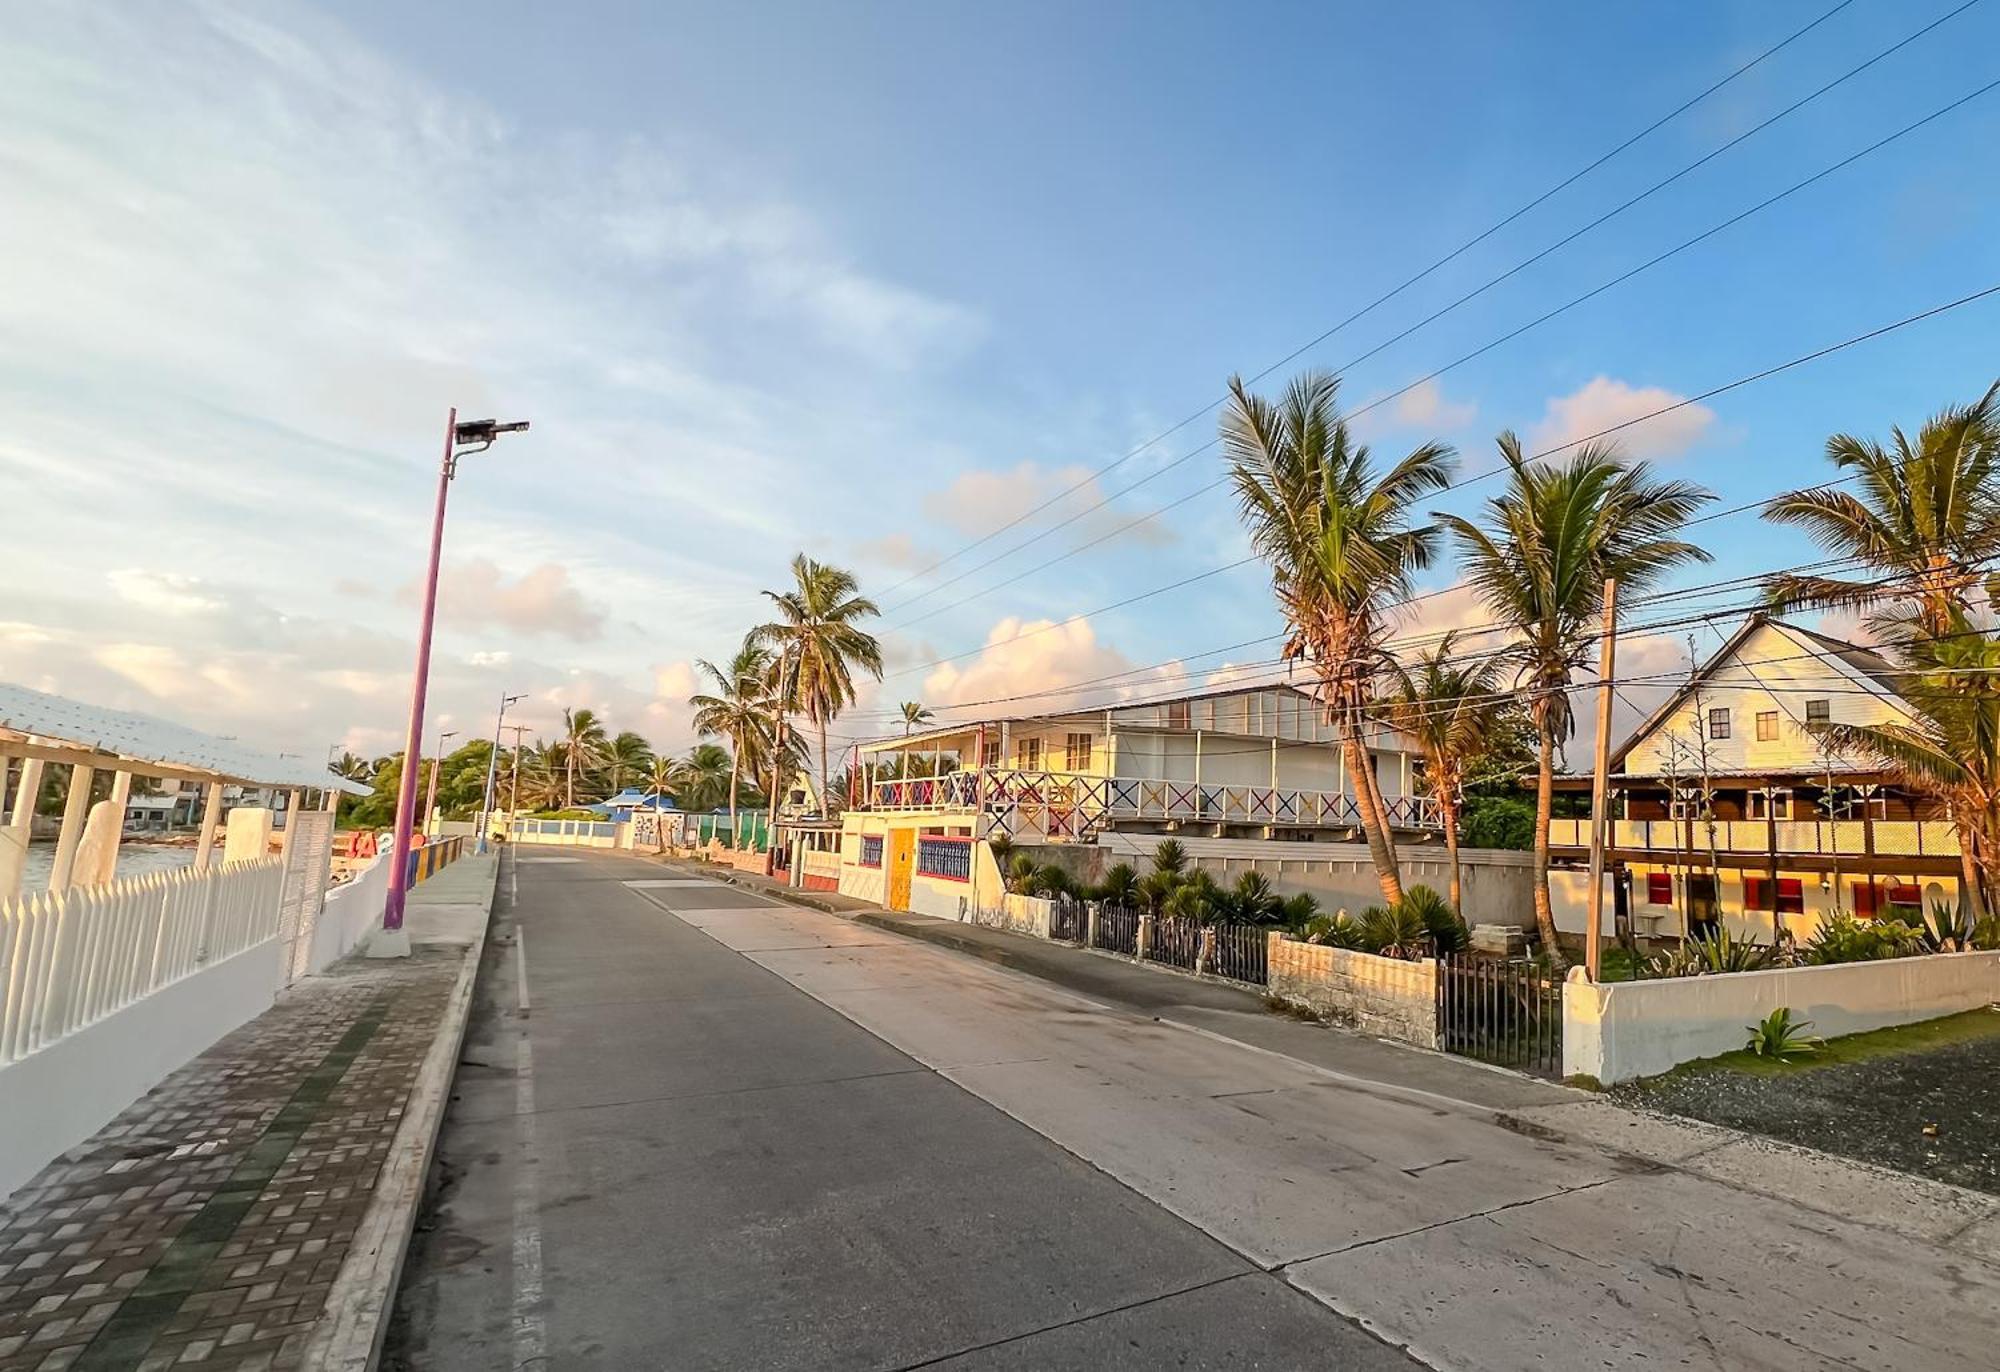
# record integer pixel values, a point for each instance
(1794, 837)
(1072, 805)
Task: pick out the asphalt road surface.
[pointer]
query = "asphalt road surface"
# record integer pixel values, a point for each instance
(727, 1132)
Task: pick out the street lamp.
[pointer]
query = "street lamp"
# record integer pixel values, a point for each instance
(460, 439)
(493, 769)
(431, 796)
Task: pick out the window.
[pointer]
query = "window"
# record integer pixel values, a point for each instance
(1659, 888)
(1789, 893)
(1906, 894)
(1770, 805)
(989, 751)
(1791, 896)
(1178, 714)
(1865, 899)
(949, 859)
(1028, 754)
(1756, 892)
(1819, 711)
(1076, 753)
(1767, 726)
(871, 850)
(1718, 722)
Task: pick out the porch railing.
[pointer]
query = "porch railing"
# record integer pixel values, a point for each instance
(1795, 837)
(1073, 805)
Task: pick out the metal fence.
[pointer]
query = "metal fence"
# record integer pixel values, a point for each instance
(1242, 953)
(1176, 942)
(1068, 920)
(1504, 1012)
(1117, 930)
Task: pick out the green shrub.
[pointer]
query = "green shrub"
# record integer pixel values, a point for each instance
(1985, 934)
(1945, 927)
(1447, 931)
(1301, 909)
(1713, 954)
(1198, 899)
(1155, 889)
(1051, 881)
(1498, 822)
(1843, 938)
(1336, 930)
(1776, 1036)
(1170, 857)
(1021, 873)
(1120, 885)
(1254, 902)
(1396, 932)
(1003, 850)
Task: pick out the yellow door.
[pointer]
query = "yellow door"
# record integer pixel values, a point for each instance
(902, 861)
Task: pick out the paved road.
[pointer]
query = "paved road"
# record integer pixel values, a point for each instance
(768, 1137)
(698, 1165)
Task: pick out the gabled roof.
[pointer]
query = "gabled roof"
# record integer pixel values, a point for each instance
(1864, 664)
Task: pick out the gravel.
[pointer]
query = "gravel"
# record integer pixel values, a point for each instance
(1875, 1110)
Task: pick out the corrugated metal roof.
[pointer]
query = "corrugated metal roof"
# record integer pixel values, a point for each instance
(144, 738)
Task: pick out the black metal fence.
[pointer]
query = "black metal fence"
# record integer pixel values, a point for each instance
(1509, 1013)
(1241, 953)
(1067, 921)
(1176, 942)
(1117, 929)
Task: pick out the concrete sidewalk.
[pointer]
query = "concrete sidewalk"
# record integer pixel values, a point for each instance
(225, 1218)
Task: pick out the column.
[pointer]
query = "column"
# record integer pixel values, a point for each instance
(211, 820)
(76, 806)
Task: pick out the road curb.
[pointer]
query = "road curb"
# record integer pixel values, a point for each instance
(348, 1337)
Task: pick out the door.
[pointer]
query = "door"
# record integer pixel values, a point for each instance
(902, 861)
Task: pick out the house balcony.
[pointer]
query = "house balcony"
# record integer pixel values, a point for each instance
(1636, 839)
(1075, 806)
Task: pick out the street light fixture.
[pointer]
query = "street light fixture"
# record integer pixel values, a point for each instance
(460, 439)
(431, 796)
(493, 770)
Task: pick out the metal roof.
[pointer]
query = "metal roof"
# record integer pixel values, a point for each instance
(143, 738)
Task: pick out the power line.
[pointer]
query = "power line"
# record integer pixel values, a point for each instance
(1608, 431)
(1383, 299)
(1480, 351)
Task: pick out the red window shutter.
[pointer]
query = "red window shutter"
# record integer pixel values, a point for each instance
(1659, 888)
(1756, 893)
(1904, 894)
(1865, 902)
(1791, 896)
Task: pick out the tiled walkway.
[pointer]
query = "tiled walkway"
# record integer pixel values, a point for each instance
(203, 1227)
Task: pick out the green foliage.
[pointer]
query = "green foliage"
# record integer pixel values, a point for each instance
(1441, 923)
(1843, 938)
(1020, 873)
(1120, 885)
(1170, 857)
(1395, 932)
(1199, 899)
(1336, 930)
(1301, 910)
(578, 813)
(1985, 934)
(1253, 901)
(1498, 822)
(1002, 849)
(1718, 953)
(1945, 927)
(1051, 880)
(1777, 1036)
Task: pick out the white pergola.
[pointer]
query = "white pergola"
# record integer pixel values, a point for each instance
(38, 730)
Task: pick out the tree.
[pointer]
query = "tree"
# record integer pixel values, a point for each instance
(1342, 553)
(821, 643)
(703, 775)
(1950, 749)
(915, 714)
(352, 768)
(583, 743)
(626, 758)
(1924, 515)
(1451, 712)
(1539, 559)
(735, 710)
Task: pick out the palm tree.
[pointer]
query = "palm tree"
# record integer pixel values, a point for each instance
(915, 713)
(353, 768)
(1342, 552)
(1540, 558)
(734, 711)
(1926, 516)
(1451, 712)
(821, 642)
(701, 777)
(541, 766)
(1950, 749)
(625, 757)
(583, 743)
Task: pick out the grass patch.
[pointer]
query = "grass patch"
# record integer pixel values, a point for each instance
(1874, 1043)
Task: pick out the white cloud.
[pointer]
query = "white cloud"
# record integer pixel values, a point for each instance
(898, 551)
(1424, 406)
(981, 500)
(541, 600)
(167, 593)
(1037, 658)
(1604, 402)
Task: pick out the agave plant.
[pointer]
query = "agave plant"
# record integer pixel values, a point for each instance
(1335, 930)
(1781, 1038)
(1120, 885)
(1301, 910)
(1254, 901)
(1441, 923)
(1394, 931)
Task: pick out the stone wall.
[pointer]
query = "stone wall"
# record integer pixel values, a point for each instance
(1018, 914)
(1388, 997)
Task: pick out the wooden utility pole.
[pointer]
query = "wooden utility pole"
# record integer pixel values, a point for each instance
(1600, 783)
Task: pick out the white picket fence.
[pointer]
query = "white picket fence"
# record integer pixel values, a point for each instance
(67, 961)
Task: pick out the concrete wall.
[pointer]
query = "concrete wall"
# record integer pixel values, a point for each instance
(351, 912)
(1622, 1030)
(1388, 997)
(1498, 883)
(70, 1089)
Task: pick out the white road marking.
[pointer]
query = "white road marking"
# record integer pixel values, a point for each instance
(651, 883)
(531, 1339)
(521, 966)
(550, 861)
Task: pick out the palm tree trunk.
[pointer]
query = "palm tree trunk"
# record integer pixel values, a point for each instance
(1545, 788)
(825, 776)
(569, 779)
(735, 774)
(1449, 808)
(1379, 849)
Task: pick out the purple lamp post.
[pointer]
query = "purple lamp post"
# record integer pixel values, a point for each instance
(472, 436)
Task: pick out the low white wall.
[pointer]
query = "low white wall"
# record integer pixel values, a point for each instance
(1621, 1030)
(351, 911)
(70, 1089)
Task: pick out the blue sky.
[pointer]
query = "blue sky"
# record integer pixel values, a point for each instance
(867, 281)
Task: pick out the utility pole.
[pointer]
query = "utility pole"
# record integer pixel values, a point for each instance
(492, 770)
(1600, 784)
(514, 801)
(431, 793)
